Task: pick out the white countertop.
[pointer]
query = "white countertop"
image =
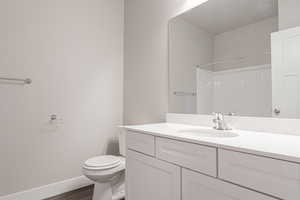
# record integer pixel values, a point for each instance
(278, 146)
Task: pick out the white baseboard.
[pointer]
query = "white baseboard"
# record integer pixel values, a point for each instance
(50, 190)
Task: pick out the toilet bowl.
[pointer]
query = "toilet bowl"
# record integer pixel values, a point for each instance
(108, 174)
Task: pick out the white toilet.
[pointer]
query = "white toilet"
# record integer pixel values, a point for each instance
(108, 173)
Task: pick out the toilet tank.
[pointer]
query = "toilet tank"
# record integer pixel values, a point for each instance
(122, 142)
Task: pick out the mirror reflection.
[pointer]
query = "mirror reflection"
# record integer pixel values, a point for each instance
(220, 60)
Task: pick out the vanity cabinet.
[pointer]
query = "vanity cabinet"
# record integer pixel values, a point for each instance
(150, 179)
(160, 168)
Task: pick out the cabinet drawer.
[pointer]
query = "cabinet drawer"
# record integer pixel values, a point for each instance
(192, 156)
(141, 142)
(196, 186)
(275, 177)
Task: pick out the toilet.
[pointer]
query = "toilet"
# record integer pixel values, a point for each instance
(108, 174)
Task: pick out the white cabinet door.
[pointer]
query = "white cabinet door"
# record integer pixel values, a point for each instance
(196, 186)
(270, 176)
(151, 179)
(286, 73)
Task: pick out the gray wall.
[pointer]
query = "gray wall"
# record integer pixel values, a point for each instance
(73, 51)
(289, 14)
(251, 42)
(189, 46)
(146, 57)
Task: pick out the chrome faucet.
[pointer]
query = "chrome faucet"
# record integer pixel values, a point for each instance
(219, 122)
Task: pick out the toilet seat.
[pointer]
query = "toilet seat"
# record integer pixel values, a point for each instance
(100, 174)
(102, 162)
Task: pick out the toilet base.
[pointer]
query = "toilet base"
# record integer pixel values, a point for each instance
(113, 190)
(102, 191)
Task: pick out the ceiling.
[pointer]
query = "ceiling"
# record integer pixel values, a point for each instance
(218, 16)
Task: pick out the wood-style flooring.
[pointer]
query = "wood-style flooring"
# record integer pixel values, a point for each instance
(85, 193)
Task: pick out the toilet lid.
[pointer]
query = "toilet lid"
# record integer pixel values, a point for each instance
(102, 162)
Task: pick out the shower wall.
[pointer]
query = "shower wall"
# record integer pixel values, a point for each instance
(244, 91)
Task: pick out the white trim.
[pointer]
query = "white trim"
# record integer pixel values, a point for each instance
(50, 190)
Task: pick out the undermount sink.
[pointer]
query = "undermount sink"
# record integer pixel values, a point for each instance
(209, 133)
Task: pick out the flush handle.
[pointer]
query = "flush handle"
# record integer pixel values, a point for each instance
(277, 111)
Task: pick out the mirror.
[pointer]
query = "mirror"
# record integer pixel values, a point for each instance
(220, 58)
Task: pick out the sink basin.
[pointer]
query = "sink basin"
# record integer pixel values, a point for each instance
(209, 133)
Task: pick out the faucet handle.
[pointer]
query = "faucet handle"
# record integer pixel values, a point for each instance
(219, 122)
(218, 115)
(231, 114)
(215, 113)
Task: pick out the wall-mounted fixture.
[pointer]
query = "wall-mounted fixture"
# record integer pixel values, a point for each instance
(25, 81)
